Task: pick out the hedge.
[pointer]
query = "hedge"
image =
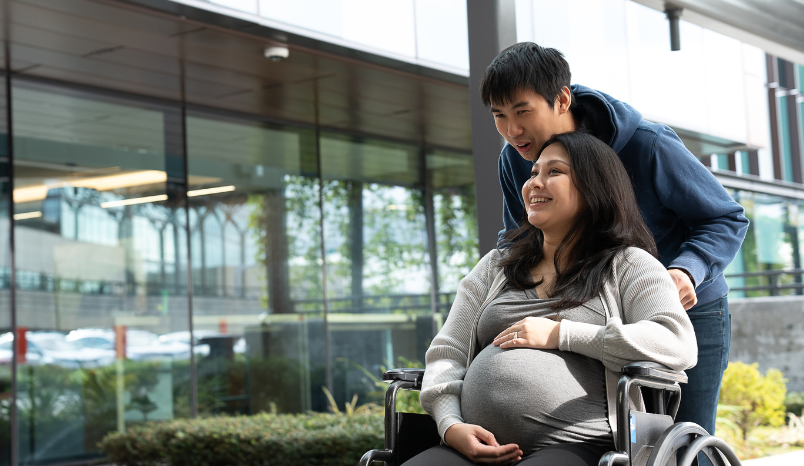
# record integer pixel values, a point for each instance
(262, 439)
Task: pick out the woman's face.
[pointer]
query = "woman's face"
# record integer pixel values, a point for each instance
(551, 200)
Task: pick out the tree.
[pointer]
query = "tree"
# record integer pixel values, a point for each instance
(760, 397)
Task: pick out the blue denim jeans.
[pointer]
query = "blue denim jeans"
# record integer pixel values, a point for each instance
(712, 323)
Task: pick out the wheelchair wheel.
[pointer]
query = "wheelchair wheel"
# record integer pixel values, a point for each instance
(712, 447)
(695, 439)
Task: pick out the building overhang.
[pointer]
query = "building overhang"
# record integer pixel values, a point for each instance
(171, 51)
(772, 25)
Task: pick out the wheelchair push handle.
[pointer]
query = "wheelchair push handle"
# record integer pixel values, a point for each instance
(652, 370)
(415, 375)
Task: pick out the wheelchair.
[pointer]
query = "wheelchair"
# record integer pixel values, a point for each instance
(645, 438)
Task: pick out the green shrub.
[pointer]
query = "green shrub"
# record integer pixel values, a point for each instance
(794, 403)
(263, 439)
(757, 399)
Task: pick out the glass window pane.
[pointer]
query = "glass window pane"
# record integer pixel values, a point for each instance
(784, 128)
(800, 74)
(377, 259)
(452, 178)
(95, 263)
(745, 162)
(771, 244)
(257, 294)
(5, 283)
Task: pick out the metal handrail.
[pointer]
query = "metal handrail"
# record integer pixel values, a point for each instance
(773, 278)
(392, 302)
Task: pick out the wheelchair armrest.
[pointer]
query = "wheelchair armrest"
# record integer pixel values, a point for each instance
(414, 375)
(652, 370)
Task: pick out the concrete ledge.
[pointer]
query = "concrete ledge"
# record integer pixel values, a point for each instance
(770, 331)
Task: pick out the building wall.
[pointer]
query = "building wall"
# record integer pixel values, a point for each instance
(421, 31)
(770, 331)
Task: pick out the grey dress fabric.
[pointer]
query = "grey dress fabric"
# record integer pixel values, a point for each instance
(535, 398)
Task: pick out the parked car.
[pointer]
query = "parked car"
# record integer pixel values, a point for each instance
(53, 348)
(201, 339)
(141, 345)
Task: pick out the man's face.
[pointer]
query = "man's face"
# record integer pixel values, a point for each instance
(527, 122)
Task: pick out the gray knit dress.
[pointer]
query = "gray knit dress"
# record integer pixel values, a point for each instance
(535, 398)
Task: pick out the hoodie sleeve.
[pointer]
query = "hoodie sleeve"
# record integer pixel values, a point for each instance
(716, 222)
(512, 170)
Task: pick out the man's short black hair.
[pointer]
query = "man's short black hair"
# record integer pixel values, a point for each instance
(525, 66)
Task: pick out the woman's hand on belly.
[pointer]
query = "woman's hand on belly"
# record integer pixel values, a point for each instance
(530, 332)
(479, 445)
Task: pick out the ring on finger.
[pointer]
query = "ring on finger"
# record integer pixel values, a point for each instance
(516, 335)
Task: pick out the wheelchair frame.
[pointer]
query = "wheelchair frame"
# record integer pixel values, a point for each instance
(665, 397)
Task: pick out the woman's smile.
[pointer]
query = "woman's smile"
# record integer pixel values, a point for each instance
(539, 201)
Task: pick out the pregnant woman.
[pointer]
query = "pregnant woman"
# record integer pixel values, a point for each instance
(526, 366)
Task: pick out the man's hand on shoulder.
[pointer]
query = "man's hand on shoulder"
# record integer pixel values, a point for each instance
(686, 290)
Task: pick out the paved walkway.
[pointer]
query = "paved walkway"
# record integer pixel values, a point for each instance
(795, 458)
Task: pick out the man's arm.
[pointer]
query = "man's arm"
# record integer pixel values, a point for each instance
(716, 221)
(513, 171)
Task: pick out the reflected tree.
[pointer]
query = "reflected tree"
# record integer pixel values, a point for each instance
(456, 230)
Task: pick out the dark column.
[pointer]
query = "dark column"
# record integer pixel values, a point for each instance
(432, 241)
(175, 188)
(355, 200)
(753, 162)
(276, 251)
(492, 28)
(732, 161)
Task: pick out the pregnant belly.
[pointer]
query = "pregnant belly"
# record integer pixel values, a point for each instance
(536, 398)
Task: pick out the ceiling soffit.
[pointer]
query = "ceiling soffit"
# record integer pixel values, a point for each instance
(119, 46)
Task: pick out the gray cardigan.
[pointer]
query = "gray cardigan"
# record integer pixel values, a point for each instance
(644, 322)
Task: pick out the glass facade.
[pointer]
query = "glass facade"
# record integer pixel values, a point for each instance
(174, 262)
(100, 268)
(772, 245)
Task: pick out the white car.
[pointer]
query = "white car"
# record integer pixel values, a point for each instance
(53, 348)
(141, 345)
(199, 348)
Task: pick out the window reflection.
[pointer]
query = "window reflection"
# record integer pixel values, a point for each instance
(378, 265)
(255, 249)
(772, 244)
(103, 296)
(98, 267)
(5, 285)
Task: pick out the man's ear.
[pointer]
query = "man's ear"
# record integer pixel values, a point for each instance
(563, 100)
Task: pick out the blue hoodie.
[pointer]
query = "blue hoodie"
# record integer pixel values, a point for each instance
(697, 226)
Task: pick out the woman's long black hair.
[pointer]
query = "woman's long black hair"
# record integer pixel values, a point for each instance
(609, 223)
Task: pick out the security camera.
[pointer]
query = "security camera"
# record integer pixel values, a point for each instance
(276, 53)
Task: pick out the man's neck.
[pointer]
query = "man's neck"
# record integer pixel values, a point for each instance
(573, 121)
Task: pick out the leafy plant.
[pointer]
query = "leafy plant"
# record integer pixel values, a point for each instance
(794, 403)
(760, 397)
(350, 407)
(407, 401)
(792, 433)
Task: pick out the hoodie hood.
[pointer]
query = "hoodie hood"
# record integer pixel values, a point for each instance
(609, 119)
